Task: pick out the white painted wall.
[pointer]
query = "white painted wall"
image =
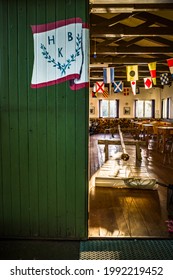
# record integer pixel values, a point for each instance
(154, 93)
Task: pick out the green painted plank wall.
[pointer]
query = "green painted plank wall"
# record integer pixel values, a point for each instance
(43, 132)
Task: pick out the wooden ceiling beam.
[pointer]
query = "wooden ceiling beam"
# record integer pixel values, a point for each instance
(95, 19)
(116, 19)
(122, 60)
(116, 44)
(121, 8)
(154, 18)
(132, 50)
(121, 42)
(122, 31)
(160, 40)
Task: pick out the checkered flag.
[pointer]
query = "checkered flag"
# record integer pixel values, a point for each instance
(164, 79)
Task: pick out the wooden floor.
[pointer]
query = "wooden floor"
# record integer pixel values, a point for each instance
(130, 213)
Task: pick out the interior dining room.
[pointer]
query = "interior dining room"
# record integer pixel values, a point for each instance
(131, 119)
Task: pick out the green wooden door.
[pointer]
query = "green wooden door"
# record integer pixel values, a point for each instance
(43, 132)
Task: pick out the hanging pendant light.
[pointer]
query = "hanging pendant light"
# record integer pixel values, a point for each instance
(95, 54)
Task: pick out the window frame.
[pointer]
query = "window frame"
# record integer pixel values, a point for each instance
(152, 108)
(109, 100)
(167, 109)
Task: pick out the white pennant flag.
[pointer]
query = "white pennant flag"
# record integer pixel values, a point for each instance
(133, 85)
(60, 53)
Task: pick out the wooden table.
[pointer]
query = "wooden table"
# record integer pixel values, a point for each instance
(165, 131)
(118, 142)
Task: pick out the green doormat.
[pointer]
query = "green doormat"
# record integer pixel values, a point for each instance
(126, 250)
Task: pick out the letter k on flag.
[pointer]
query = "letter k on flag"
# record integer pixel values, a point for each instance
(61, 53)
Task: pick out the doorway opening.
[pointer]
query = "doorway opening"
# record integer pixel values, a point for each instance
(118, 39)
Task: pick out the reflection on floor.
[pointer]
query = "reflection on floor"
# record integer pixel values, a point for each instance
(127, 212)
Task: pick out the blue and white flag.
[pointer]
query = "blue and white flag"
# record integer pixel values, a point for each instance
(118, 86)
(61, 53)
(164, 79)
(108, 75)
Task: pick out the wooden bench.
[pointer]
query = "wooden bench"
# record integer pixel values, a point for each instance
(137, 143)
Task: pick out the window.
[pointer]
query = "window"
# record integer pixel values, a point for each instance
(108, 108)
(166, 104)
(164, 108)
(144, 108)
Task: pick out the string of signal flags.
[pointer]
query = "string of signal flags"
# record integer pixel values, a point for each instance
(132, 77)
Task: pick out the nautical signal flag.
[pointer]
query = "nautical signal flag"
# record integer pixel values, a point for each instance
(105, 94)
(148, 82)
(132, 73)
(118, 86)
(170, 64)
(108, 75)
(99, 87)
(94, 88)
(133, 85)
(164, 79)
(94, 94)
(126, 91)
(152, 68)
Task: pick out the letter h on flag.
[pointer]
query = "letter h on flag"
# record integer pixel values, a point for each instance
(108, 75)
